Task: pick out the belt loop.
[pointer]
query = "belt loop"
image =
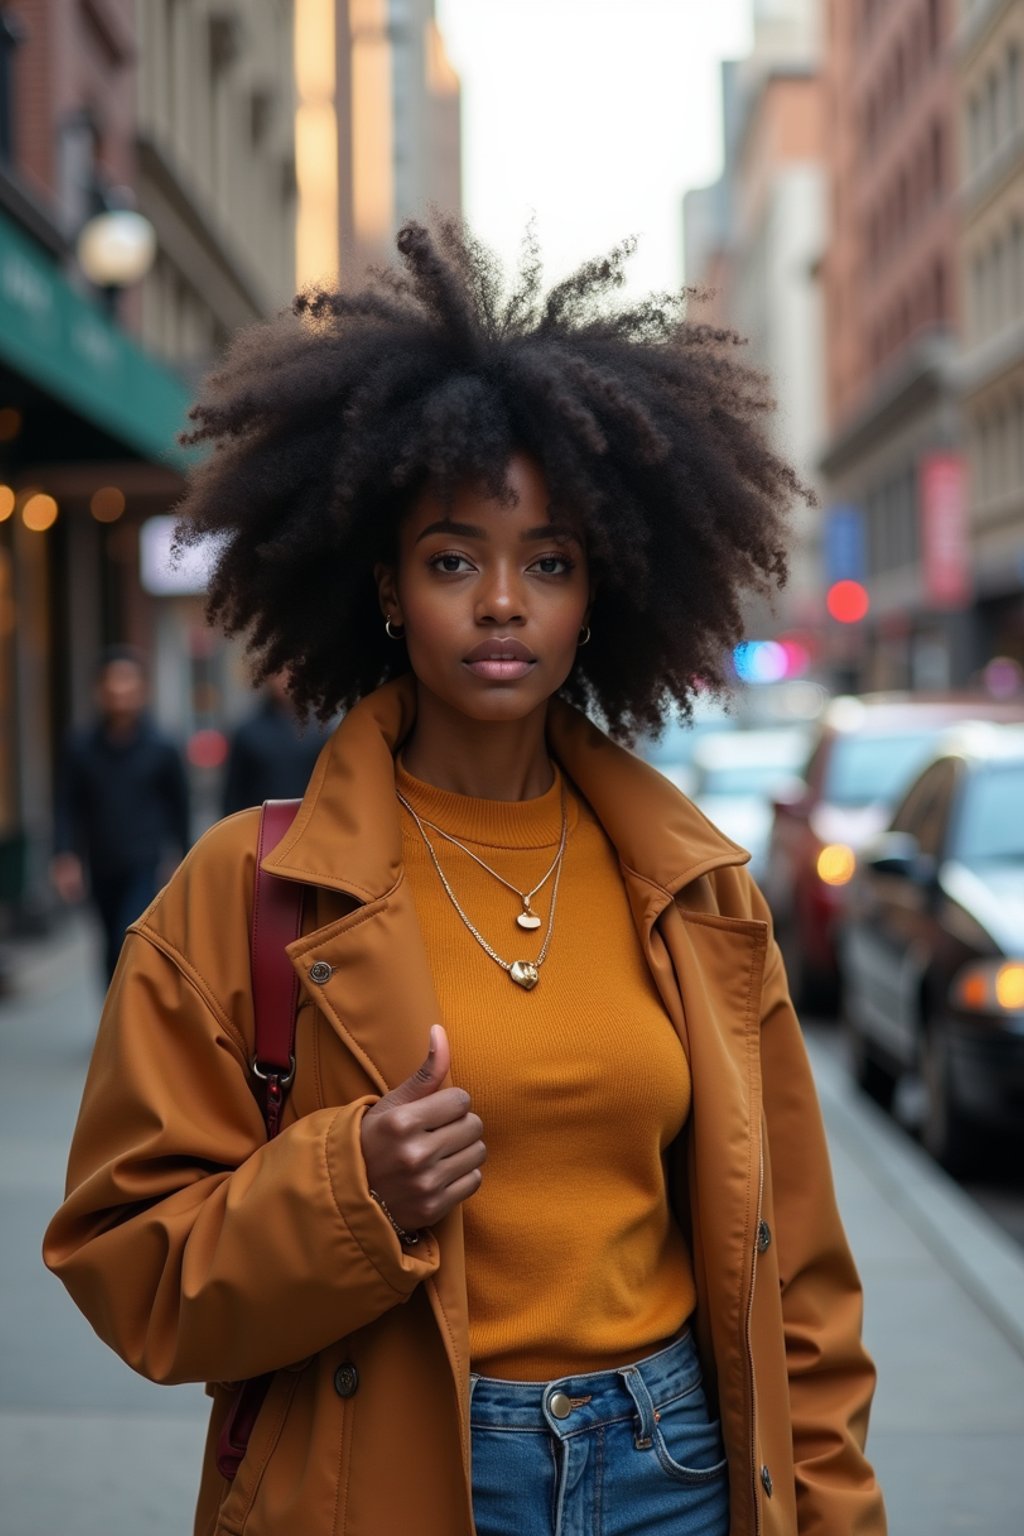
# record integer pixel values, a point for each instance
(474, 1377)
(637, 1389)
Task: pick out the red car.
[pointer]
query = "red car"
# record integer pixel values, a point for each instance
(867, 750)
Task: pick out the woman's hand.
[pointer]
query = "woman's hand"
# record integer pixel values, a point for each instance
(421, 1143)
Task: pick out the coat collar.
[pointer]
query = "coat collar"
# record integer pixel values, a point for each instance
(347, 835)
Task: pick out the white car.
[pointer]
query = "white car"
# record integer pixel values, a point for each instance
(736, 775)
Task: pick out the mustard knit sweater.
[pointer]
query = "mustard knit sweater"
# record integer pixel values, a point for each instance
(574, 1261)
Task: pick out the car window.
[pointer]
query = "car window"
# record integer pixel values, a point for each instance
(991, 824)
(933, 811)
(864, 769)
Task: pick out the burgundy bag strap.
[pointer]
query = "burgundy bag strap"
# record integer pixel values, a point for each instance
(276, 922)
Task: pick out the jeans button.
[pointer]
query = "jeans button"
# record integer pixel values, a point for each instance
(559, 1405)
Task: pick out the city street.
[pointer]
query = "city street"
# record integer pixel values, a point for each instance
(87, 1448)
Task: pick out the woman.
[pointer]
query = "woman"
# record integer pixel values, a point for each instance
(547, 1242)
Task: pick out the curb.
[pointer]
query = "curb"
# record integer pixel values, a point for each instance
(971, 1247)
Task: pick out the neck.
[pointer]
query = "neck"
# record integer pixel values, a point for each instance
(488, 760)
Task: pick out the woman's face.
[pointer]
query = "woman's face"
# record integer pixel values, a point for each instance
(492, 597)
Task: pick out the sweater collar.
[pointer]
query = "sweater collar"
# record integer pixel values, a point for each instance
(347, 833)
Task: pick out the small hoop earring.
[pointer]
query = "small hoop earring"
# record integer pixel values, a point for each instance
(392, 633)
(583, 638)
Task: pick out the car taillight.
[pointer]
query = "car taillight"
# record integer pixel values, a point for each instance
(990, 986)
(836, 864)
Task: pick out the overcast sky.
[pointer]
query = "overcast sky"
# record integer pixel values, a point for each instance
(594, 114)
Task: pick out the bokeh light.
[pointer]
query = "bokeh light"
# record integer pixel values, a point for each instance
(848, 602)
(39, 512)
(11, 422)
(760, 661)
(207, 749)
(107, 504)
(8, 501)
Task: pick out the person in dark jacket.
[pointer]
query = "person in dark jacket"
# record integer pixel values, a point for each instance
(272, 755)
(122, 804)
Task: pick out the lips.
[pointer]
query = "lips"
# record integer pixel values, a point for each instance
(501, 650)
(500, 661)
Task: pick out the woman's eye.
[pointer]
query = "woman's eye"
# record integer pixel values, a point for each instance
(450, 564)
(553, 565)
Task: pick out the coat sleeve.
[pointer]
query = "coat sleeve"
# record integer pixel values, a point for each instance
(831, 1378)
(197, 1249)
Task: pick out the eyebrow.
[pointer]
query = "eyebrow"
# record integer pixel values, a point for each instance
(471, 531)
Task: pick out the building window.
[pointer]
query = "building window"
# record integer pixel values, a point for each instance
(997, 280)
(974, 149)
(993, 105)
(934, 27)
(939, 290)
(938, 162)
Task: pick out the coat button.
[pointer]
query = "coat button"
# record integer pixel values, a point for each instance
(346, 1380)
(320, 972)
(764, 1237)
(766, 1481)
(559, 1405)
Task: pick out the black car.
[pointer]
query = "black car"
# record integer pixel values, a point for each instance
(932, 945)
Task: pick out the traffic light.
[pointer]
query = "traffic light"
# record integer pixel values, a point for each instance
(847, 601)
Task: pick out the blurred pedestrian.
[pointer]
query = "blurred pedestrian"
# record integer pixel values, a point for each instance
(543, 1237)
(272, 753)
(122, 804)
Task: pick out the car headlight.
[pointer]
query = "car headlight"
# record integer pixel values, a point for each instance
(836, 864)
(990, 986)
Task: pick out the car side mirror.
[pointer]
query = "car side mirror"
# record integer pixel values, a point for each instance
(898, 853)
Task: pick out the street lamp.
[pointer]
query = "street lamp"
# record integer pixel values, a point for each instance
(116, 248)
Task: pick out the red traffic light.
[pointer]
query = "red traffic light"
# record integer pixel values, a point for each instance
(847, 601)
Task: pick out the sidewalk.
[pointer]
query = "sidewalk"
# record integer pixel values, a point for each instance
(944, 1321)
(88, 1449)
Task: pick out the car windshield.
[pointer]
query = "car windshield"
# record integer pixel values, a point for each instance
(992, 821)
(865, 769)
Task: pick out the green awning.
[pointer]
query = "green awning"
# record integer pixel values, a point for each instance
(65, 345)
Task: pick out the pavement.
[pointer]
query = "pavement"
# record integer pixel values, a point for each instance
(89, 1449)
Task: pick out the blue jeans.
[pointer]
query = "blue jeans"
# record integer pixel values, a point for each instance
(627, 1452)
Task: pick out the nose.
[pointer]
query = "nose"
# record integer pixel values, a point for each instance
(500, 599)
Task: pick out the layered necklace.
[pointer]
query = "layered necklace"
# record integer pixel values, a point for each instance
(525, 973)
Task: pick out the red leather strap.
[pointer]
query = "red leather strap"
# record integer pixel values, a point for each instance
(276, 921)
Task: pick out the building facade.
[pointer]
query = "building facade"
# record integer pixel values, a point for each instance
(398, 124)
(892, 465)
(184, 109)
(755, 238)
(989, 57)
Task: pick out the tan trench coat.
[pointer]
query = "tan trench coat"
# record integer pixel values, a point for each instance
(199, 1251)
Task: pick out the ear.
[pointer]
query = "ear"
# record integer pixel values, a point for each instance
(387, 592)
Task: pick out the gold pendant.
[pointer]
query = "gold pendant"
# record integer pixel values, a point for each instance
(528, 918)
(525, 974)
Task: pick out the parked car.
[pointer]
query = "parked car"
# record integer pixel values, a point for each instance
(866, 751)
(735, 777)
(932, 947)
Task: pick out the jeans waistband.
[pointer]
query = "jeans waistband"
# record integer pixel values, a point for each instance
(569, 1404)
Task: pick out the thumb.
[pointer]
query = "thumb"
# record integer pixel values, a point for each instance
(429, 1076)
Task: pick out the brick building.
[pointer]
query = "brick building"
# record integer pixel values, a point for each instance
(892, 305)
(989, 58)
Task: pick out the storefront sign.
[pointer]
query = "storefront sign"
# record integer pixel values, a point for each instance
(945, 542)
(67, 346)
(845, 544)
